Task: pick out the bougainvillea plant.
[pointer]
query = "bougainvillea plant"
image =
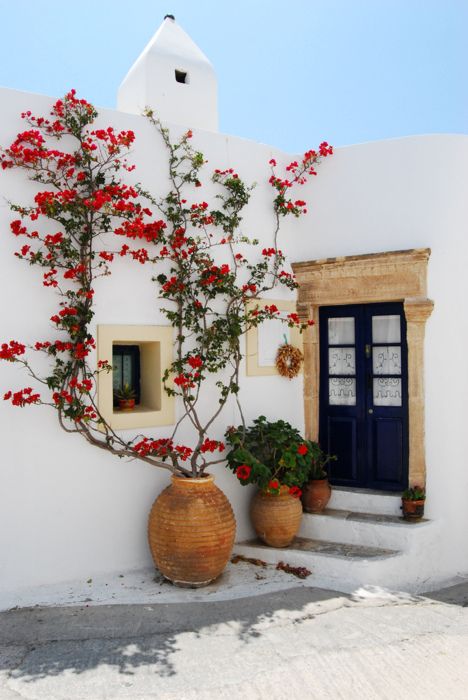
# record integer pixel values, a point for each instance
(194, 252)
(274, 454)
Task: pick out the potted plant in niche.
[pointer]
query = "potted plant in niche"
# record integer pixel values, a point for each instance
(317, 491)
(412, 503)
(126, 397)
(84, 217)
(275, 457)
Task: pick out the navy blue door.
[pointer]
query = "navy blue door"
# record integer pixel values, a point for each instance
(364, 394)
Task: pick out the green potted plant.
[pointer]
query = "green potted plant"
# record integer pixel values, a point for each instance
(275, 457)
(126, 397)
(317, 491)
(412, 502)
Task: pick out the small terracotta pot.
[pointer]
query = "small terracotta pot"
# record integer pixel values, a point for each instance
(276, 519)
(126, 404)
(412, 510)
(191, 530)
(315, 495)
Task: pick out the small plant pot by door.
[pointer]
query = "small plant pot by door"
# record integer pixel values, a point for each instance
(191, 531)
(276, 519)
(315, 495)
(126, 404)
(412, 510)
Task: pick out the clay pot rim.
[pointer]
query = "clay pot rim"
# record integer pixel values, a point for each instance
(187, 481)
(417, 501)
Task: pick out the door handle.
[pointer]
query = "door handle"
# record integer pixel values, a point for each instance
(371, 410)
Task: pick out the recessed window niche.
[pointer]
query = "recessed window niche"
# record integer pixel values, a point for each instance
(262, 343)
(139, 356)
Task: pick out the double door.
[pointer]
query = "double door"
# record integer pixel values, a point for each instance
(364, 395)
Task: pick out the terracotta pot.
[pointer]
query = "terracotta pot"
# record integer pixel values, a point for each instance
(412, 510)
(191, 530)
(276, 519)
(315, 495)
(126, 404)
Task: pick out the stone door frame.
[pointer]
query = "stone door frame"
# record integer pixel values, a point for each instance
(365, 279)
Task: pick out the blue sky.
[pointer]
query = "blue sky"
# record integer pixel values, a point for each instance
(290, 74)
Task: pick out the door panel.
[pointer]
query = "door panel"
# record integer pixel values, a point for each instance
(363, 394)
(387, 446)
(342, 442)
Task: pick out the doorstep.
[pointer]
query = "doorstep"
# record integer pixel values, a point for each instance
(323, 548)
(380, 530)
(365, 501)
(337, 565)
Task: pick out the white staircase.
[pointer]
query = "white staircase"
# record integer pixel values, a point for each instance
(360, 540)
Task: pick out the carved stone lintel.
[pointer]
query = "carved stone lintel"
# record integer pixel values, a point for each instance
(418, 310)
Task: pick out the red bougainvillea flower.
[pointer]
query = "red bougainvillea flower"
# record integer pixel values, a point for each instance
(272, 309)
(184, 452)
(212, 445)
(273, 485)
(243, 472)
(302, 449)
(294, 318)
(11, 350)
(295, 491)
(22, 397)
(184, 380)
(195, 361)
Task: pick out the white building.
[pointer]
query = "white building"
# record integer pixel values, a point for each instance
(392, 403)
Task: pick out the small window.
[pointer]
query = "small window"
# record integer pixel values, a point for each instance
(140, 355)
(181, 76)
(126, 370)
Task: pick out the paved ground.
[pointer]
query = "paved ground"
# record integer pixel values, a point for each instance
(297, 643)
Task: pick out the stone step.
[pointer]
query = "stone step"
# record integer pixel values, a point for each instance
(365, 501)
(368, 529)
(339, 566)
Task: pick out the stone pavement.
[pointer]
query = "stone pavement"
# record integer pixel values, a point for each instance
(296, 643)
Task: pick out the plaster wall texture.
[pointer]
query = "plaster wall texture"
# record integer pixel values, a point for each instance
(69, 512)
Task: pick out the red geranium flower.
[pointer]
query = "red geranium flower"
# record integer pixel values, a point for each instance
(273, 485)
(302, 449)
(295, 491)
(243, 472)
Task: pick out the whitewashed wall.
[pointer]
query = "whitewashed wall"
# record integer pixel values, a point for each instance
(68, 511)
(412, 193)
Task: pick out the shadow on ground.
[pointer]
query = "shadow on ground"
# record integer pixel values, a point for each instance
(125, 637)
(454, 595)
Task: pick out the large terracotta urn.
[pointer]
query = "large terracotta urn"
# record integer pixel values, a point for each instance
(191, 531)
(315, 495)
(276, 519)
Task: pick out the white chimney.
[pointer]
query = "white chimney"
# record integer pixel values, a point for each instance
(174, 78)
